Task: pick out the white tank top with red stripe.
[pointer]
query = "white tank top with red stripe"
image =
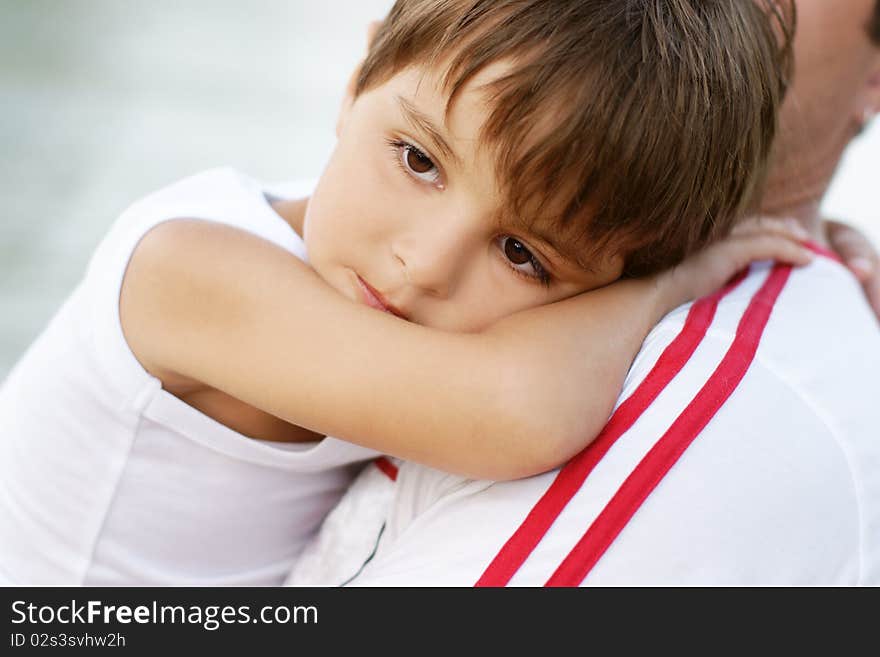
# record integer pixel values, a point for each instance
(745, 450)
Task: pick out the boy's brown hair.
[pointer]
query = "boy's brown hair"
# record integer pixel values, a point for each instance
(638, 127)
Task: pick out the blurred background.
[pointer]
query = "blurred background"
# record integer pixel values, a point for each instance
(104, 101)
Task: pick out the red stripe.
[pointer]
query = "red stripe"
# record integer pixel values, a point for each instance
(387, 467)
(569, 480)
(815, 247)
(657, 462)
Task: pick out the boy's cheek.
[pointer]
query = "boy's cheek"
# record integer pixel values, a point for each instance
(352, 179)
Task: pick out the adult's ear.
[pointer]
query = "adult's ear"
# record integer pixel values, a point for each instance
(872, 104)
(350, 87)
(869, 99)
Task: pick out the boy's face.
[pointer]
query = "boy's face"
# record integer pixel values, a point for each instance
(406, 216)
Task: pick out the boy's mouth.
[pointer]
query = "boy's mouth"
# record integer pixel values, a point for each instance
(374, 299)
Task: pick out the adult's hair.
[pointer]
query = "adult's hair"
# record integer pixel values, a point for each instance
(642, 127)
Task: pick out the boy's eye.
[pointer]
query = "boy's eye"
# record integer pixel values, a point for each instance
(516, 252)
(414, 162)
(417, 161)
(522, 259)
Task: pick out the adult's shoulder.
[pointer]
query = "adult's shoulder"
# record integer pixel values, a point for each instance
(780, 430)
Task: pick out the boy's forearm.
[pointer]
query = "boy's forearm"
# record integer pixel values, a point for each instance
(518, 399)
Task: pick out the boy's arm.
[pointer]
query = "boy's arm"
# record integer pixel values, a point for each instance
(237, 313)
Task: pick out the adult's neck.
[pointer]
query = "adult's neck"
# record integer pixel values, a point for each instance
(797, 193)
(805, 210)
(801, 175)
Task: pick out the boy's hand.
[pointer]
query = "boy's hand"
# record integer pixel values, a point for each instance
(753, 240)
(859, 255)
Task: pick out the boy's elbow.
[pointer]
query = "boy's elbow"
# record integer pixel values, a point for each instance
(531, 453)
(535, 421)
(540, 434)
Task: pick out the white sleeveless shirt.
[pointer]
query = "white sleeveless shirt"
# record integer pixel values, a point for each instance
(107, 479)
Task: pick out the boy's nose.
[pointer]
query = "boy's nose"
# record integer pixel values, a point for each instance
(433, 260)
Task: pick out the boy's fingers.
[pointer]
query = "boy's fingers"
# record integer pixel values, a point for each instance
(767, 238)
(764, 246)
(788, 228)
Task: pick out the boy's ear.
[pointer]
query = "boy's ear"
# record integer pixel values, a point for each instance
(348, 99)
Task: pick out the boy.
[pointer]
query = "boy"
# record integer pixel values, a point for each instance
(497, 159)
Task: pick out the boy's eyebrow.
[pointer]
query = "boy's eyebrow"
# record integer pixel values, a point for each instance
(565, 249)
(423, 122)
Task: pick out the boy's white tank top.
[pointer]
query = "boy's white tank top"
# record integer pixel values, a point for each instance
(107, 479)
